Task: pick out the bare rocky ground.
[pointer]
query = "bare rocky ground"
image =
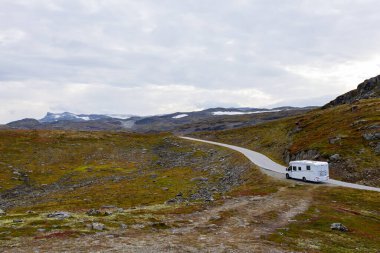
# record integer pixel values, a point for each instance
(232, 225)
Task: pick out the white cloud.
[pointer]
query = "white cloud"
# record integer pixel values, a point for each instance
(99, 98)
(148, 56)
(11, 36)
(342, 76)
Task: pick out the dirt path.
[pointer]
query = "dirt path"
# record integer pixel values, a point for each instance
(237, 225)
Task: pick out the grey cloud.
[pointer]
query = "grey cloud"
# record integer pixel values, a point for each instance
(285, 49)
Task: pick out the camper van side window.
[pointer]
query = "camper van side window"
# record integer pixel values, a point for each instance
(299, 168)
(308, 167)
(294, 168)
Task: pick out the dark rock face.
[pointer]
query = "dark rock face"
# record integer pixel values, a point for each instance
(368, 89)
(302, 155)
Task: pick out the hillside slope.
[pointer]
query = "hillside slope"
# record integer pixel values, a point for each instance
(368, 89)
(347, 136)
(49, 165)
(99, 191)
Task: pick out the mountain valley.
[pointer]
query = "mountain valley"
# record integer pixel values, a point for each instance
(95, 183)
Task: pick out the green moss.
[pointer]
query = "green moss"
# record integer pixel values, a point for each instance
(357, 210)
(315, 128)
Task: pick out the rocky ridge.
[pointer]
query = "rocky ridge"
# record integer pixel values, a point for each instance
(370, 88)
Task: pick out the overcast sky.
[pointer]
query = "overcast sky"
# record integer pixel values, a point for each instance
(158, 56)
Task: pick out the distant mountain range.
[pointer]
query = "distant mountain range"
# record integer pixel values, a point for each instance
(219, 118)
(213, 118)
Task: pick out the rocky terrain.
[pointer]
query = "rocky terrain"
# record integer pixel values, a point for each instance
(40, 166)
(69, 191)
(368, 89)
(347, 136)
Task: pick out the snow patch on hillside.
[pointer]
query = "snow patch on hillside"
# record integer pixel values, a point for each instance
(84, 118)
(119, 116)
(241, 113)
(179, 116)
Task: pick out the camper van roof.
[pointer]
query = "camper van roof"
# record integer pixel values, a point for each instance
(310, 162)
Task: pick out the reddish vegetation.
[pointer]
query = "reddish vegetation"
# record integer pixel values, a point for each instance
(63, 234)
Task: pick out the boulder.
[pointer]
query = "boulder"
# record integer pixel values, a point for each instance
(377, 149)
(335, 140)
(371, 136)
(123, 226)
(374, 126)
(59, 215)
(209, 199)
(93, 212)
(98, 226)
(171, 201)
(335, 157)
(302, 155)
(215, 218)
(338, 227)
(354, 108)
(201, 179)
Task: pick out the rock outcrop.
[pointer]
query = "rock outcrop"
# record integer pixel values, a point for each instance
(339, 227)
(368, 89)
(59, 215)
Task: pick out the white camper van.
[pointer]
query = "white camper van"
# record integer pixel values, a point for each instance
(308, 171)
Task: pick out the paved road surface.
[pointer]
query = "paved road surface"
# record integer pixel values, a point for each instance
(266, 163)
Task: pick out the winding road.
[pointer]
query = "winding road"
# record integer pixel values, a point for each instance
(266, 163)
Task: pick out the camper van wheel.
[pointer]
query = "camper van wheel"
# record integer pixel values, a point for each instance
(304, 179)
(287, 176)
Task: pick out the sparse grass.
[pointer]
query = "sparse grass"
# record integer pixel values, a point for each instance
(140, 172)
(47, 156)
(77, 171)
(256, 183)
(357, 210)
(315, 128)
(140, 191)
